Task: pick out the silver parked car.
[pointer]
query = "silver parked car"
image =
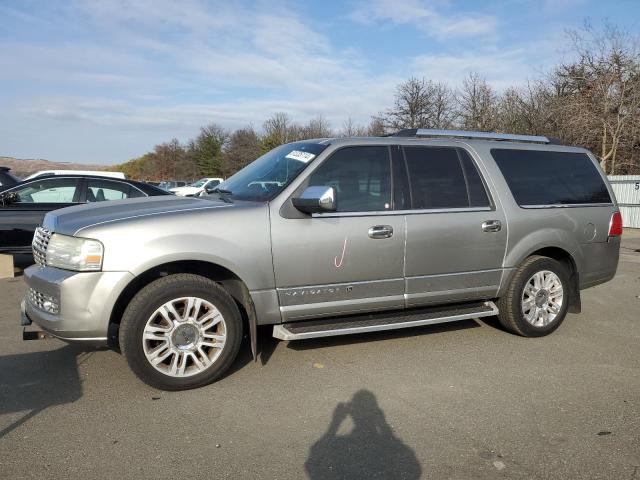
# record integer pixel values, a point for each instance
(330, 237)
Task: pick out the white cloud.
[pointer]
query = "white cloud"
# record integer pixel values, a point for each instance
(154, 69)
(270, 55)
(501, 69)
(427, 18)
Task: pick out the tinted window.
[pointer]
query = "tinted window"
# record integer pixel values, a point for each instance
(49, 190)
(551, 178)
(103, 190)
(361, 176)
(477, 192)
(135, 193)
(401, 196)
(436, 178)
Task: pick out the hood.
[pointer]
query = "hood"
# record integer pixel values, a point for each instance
(71, 219)
(182, 191)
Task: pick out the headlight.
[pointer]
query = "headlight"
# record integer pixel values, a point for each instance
(73, 253)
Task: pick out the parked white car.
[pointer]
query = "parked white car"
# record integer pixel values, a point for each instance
(197, 188)
(98, 173)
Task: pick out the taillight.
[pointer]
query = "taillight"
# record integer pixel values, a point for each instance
(615, 225)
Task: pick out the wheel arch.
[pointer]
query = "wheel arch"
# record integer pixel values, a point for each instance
(228, 279)
(565, 258)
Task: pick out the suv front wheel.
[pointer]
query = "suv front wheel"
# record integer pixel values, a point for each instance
(181, 331)
(537, 298)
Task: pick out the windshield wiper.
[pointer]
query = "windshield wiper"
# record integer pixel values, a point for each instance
(222, 194)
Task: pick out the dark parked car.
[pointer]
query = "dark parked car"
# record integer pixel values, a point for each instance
(7, 179)
(24, 205)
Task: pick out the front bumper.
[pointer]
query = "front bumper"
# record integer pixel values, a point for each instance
(86, 300)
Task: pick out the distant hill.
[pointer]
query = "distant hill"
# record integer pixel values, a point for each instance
(23, 167)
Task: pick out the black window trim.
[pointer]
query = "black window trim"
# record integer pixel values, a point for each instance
(397, 158)
(372, 213)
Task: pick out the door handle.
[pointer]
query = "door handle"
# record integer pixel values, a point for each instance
(381, 231)
(491, 226)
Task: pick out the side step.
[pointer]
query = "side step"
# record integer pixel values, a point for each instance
(375, 322)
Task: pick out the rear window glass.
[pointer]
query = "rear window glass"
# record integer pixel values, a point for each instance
(551, 178)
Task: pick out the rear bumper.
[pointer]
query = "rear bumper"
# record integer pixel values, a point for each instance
(599, 262)
(85, 302)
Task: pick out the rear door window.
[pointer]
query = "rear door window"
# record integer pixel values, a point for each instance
(104, 190)
(442, 178)
(542, 178)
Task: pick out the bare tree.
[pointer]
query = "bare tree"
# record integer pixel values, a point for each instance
(420, 103)
(477, 104)
(525, 110)
(443, 112)
(278, 129)
(376, 127)
(317, 127)
(600, 91)
(351, 129)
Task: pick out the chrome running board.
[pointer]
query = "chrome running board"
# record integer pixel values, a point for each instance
(376, 322)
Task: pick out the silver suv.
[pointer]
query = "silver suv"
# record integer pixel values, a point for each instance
(330, 237)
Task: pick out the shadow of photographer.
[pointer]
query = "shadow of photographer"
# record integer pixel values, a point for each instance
(370, 450)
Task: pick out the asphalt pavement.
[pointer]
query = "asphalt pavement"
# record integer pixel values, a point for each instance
(463, 400)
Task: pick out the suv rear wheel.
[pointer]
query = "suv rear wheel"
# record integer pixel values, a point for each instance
(181, 331)
(537, 298)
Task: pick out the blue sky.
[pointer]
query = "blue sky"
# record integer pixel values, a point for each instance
(103, 81)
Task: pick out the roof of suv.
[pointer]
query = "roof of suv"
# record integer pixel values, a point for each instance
(490, 141)
(441, 142)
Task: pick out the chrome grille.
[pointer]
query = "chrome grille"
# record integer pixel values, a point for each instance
(39, 245)
(43, 301)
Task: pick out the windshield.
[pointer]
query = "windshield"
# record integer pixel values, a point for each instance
(271, 173)
(199, 183)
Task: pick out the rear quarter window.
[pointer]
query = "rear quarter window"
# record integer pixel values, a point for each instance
(538, 178)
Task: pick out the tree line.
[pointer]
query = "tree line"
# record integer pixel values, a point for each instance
(593, 101)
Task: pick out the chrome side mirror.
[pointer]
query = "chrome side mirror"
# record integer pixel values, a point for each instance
(316, 200)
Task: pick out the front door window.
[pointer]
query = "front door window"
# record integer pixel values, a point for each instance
(361, 177)
(50, 190)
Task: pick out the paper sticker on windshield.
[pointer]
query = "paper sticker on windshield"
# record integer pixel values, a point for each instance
(300, 156)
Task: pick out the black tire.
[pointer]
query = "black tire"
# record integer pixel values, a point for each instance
(510, 304)
(154, 295)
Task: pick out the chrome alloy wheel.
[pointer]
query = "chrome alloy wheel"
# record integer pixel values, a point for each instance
(542, 298)
(184, 337)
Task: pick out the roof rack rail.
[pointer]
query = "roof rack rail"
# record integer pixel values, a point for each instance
(506, 137)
